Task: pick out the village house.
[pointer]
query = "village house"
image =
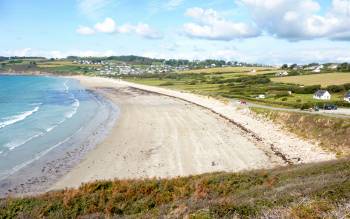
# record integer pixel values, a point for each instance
(281, 74)
(322, 95)
(347, 97)
(261, 96)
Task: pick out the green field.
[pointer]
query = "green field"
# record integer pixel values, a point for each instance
(316, 79)
(221, 70)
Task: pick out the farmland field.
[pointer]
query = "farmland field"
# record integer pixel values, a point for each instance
(317, 79)
(259, 70)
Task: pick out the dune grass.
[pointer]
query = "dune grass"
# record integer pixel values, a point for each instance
(329, 132)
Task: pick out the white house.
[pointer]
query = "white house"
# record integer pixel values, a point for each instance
(261, 96)
(322, 95)
(281, 74)
(317, 70)
(347, 97)
(333, 66)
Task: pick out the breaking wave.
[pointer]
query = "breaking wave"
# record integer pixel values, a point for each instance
(17, 118)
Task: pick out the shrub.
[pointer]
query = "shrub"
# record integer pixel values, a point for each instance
(306, 90)
(306, 106)
(335, 88)
(168, 83)
(284, 99)
(193, 82)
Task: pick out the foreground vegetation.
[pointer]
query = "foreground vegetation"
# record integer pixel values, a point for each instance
(309, 191)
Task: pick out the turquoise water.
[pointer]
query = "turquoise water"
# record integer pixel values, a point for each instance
(38, 114)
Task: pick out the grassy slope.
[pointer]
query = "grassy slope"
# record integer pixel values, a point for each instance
(299, 191)
(332, 133)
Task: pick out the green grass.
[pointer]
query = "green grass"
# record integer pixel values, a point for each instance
(316, 79)
(238, 86)
(305, 191)
(220, 70)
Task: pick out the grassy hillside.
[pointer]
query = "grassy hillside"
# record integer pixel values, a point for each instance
(310, 191)
(331, 133)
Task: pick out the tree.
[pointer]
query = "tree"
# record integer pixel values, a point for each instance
(284, 66)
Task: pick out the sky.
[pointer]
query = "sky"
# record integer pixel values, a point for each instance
(255, 31)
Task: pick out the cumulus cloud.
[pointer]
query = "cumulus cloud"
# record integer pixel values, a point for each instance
(208, 24)
(109, 26)
(85, 30)
(140, 29)
(301, 19)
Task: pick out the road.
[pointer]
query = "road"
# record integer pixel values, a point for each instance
(340, 113)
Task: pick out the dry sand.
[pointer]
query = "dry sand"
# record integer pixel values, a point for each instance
(158, 135)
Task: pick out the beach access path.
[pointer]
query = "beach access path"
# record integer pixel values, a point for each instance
(167, 133)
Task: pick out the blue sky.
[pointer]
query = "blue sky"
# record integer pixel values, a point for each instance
(263, 31)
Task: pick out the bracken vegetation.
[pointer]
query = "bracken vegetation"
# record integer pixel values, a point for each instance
(308, 191)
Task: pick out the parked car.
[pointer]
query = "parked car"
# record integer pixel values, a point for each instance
(330, 107)
(316, 108)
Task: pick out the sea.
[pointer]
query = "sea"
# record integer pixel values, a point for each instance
(39, 114)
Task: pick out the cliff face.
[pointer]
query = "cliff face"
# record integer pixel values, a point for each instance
(330, 133)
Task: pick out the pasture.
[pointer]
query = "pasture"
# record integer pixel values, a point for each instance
(316, 79)
(223, 70)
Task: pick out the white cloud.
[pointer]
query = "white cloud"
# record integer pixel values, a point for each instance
(301, 19)
(110, 26)
(172, 4)
(107, 26)
(146, 31)
(210, 25)
(85, 30)
(141, 29)
(92, 8)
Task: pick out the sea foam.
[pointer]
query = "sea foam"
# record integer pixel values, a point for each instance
(17, 118)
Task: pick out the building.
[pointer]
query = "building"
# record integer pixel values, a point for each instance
(281, 74)
(261, 96)
(347, 97)
(322, 95)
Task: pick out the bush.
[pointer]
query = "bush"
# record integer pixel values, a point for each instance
(168, 83)
(346, 86)
(335, 88)
(282, 94)
(193, 82)
(284, 99)
(306, 90)
(306, 106)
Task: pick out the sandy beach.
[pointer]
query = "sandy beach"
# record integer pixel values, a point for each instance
(166, 133)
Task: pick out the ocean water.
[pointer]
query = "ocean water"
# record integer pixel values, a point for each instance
(37, 115)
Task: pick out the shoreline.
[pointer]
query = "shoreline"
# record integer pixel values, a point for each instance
(50, 165)
(124, 158)
(165, 133)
